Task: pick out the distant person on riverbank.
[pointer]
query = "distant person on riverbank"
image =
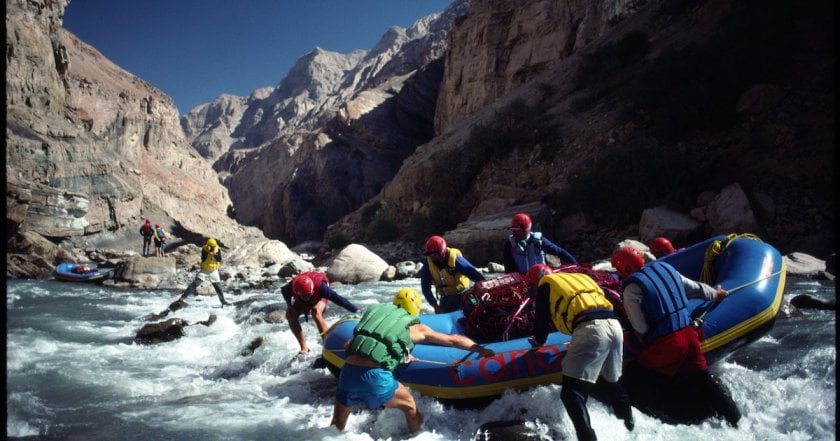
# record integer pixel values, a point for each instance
(450, 272)
(671, 358)
(383, 340)
(309, 293)
(525, 248)
(161, 237)
(211, 259)
(147, 232)
(578, 307)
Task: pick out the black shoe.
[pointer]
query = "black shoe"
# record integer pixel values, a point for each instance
(629, 423)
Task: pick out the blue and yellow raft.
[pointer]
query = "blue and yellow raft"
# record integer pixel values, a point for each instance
(752, 270)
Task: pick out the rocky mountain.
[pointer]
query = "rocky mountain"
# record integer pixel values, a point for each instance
(345, 121)
(595, 117)
(637, 105)
(91, 149)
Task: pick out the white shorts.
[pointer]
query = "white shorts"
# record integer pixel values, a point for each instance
(212, 277)
(596, 348)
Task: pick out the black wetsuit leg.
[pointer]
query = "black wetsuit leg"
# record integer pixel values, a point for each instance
(218, 287)
(574, 395)
(620, 402)
(191, 289)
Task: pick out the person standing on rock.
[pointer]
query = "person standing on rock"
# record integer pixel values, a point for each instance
(308, 293)
(160, 239)
(525, 248)
(211, 259)
(449, 271)
(147, 232)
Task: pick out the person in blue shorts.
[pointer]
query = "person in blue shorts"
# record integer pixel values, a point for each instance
(383, 340)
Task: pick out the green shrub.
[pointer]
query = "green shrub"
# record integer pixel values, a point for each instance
(606, 61)
(627, 180)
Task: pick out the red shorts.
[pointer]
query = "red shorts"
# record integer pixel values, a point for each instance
(678, 352)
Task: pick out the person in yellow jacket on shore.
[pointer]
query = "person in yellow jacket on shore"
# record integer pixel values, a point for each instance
(211, 259)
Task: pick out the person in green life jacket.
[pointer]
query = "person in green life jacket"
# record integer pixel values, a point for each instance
(450, 272)
(211, 259)
(147, 232)
(525, 248)
(307, 293)
(383, 340)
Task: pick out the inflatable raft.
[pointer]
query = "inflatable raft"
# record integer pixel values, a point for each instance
(753, 270)
(76, 272)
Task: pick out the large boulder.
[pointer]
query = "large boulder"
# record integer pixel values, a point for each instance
(807, 266)
(355, 264)
(256, 253)
(145, 271)
(663, 221)
(729, 212)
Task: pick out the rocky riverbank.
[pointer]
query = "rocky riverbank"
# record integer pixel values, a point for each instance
(270, 264)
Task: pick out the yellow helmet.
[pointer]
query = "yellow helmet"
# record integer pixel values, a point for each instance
(211, 243)
(409, 299)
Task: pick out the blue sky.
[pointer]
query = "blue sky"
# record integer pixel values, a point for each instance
(196, 50)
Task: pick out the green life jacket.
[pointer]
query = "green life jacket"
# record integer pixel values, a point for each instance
(382, 335)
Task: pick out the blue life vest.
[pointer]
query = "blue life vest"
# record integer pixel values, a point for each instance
(663, 299)
(531, 255)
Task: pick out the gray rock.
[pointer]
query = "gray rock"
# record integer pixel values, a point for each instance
(355, 264)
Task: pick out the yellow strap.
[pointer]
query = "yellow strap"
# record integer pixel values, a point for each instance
(707, 276)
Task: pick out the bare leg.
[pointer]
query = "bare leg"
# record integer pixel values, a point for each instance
(318, 316)
(403, 400)
(292, 315)
(340, 415)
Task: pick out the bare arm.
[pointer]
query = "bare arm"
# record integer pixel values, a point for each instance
(421, 333)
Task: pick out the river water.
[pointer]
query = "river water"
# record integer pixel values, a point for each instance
(74, 372)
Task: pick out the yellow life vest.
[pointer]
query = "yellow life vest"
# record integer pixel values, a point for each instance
(572, 294)
(448, 281)
(210, 263)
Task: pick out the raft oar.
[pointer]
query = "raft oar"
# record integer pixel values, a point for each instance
(754, 282)
(442, 363)
(699, 320)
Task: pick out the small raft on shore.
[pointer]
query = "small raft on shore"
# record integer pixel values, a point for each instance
(76, 272)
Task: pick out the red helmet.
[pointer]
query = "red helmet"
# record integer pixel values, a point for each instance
(435, 245)
(537, 272)
(661, 246)
(627, 260)
(521, 222)
(157, 225)
(303, 287)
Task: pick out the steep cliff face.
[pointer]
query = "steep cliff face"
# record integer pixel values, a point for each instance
(504, 44)
(655, 106)
(209, 127)
(90, 148)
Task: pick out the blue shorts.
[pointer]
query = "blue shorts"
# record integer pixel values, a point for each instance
(373, 386)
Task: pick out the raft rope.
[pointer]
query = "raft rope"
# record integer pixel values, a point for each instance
(505, 312)
(707, 275)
